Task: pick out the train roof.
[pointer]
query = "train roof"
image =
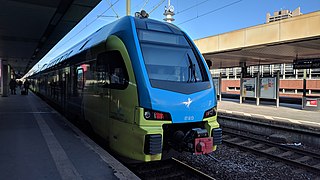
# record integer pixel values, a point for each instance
(101, 35)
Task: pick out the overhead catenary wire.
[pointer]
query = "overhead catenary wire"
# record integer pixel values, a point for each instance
(138, 4)
(225, 6)
(110, 4)
(144, 5)
(155, 7)
(76, 33)
(184, 10)
(86, 26)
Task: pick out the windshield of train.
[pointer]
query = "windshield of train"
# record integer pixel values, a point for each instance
(169, 57)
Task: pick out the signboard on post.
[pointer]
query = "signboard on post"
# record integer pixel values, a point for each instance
(249, 87)
(306, 63)
(268, 88)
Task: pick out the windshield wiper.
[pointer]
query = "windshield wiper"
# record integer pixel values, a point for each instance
(191, 71)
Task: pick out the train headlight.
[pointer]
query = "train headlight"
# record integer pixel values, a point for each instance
(156, 115)
(147, 114)
(211, 112)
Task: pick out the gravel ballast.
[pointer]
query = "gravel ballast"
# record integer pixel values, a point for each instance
(236, 164)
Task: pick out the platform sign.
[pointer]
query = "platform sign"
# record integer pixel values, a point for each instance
(249, 87)
(268, 88)
(216, 85)
(310, 63)
(312, 102)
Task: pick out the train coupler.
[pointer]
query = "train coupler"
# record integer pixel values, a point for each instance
(203, 145)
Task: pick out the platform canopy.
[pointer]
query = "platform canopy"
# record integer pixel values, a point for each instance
(30, 28)
(270, 43)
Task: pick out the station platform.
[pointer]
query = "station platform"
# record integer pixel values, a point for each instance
(290, 115)
(39, 143)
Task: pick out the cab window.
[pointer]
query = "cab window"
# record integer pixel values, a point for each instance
(111, 70)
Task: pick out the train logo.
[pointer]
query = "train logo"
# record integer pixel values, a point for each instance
(187, 103)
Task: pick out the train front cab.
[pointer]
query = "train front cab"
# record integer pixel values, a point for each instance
(145, 139)
(109, 76)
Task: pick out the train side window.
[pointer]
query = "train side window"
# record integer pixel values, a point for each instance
(80, 78)
(116, 74)
(102, 71)
(118, 71)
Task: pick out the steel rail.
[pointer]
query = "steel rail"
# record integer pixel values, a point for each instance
(167, 169)
(294, 162)
(280, 146)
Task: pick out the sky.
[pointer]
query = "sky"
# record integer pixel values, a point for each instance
(198, 18)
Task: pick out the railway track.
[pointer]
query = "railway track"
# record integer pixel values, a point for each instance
(167, 169)
(303, 159)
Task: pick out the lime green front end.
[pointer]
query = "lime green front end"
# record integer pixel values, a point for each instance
(129, 140)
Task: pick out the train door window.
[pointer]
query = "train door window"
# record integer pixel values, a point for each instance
(84, 74)
(89, 74)
(80, 78)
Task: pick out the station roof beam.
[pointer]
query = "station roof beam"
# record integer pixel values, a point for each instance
(30, 28)
(274, 42)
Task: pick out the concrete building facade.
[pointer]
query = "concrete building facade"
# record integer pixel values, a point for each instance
(266, 49)
(282, 14)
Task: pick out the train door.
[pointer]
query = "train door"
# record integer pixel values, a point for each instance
(95, 96)
(63, 92)
(80, 80)
(68, 84)
(74, 99)
(123, 97)
(51, 89)
(43, 85)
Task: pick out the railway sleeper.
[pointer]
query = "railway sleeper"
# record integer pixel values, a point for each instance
(258, 146)
(271, 149)
(303, 159)
(233, 139)
(287, 153)
(244, 142)
(317, 166)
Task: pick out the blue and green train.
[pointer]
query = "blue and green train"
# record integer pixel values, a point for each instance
(141, 84)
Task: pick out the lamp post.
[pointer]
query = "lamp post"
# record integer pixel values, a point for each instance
(128, 9)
